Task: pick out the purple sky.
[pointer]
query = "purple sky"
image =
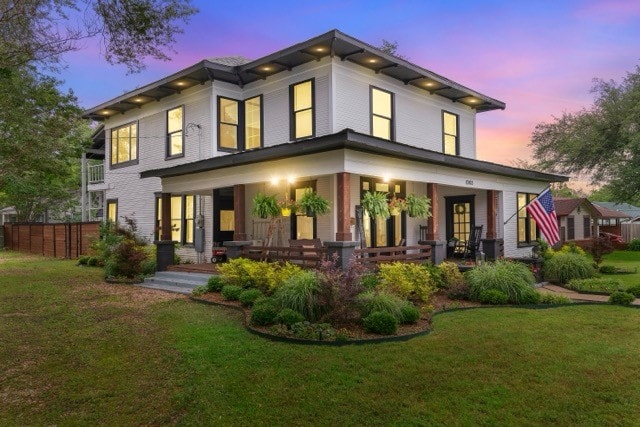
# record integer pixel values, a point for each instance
(539, 57)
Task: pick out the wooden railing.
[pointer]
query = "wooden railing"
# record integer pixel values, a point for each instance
(373, 256)
(301, 255)
(95, 174)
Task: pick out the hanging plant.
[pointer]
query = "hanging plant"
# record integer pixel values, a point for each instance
(265, 206)
(375, 203)
(397, 205)
(313, 203)
(418, 206)
(287, 207)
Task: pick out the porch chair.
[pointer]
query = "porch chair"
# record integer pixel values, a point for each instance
(473, 243)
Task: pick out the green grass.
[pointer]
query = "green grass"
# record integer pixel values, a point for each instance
(627, 260)
(76, 351)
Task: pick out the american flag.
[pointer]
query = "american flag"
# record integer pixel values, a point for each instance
(543, 212)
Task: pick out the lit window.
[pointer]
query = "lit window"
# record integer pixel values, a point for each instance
(450, 142)
(253, 123)
(182, 218)
(175, 133)
(527, 230)
(227, 123)
(124, 144)
(112, 211)
(302, 115)
(381, 113)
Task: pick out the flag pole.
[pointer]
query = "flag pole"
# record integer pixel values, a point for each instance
(516, 212)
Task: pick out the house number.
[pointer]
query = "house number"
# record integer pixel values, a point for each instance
(469, 182)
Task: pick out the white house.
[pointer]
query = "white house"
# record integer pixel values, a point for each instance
(333, 114)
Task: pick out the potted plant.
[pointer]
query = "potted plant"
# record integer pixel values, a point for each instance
(397, 205)
(265, 206)
(287, 207)
(375, 203)
(313, 203)
(418, 206)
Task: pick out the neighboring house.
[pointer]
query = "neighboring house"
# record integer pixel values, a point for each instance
(332, 114)
(8, 214)
(581, 220)
(631, 212)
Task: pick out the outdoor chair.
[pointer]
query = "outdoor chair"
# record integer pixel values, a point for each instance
(473, 243)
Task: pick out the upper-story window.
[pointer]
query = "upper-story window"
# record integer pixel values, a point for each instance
(527, 230)
(450, 134)
(381, 113)
(301, 96)
(175, 132)
(239, 123)
(124, 144)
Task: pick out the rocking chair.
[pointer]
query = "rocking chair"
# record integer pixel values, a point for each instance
(473, 243)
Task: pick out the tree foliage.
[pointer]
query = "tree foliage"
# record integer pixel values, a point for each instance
(602, 141)
(40, 31)
(391, 48)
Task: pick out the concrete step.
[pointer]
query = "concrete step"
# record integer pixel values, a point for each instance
(176, 281)
(167, 288)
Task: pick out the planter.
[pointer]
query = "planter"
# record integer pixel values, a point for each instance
(285, 211)
(394, 211)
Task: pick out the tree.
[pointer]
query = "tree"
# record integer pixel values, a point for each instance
(391, 48)
(602, 141)
(40, 31)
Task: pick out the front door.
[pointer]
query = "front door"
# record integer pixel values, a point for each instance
(380, 232)
(223, 216)
(460, 221)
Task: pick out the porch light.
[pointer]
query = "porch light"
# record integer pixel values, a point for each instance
(386, 179)
(320, 49)
(274, 181)
(266, 68)
(372, 60)
(291, 180)
(180, 83)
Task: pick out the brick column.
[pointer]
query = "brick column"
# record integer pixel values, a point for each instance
(432, 223)
(491, 215)
(239, 212)
(343, 232)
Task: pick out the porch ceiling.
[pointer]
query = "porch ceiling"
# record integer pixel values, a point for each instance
(333, 43)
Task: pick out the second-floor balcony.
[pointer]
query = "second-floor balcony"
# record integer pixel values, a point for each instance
(95, 174)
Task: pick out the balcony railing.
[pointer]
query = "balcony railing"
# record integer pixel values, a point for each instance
(96, 174)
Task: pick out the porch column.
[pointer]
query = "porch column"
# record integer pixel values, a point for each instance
(432, 223)
(491, 214)
(83, 186)
(164, 247)
(491, 245)
(343, 233)
(239, 213)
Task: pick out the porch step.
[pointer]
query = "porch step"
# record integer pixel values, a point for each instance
(176, 281)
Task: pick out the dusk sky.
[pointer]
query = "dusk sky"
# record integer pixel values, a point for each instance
(539, 57)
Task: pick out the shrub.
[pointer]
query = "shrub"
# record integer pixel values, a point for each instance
(634, 245)
(215, 284)
(381, 322)
(405, 279)
(410, 313)
(549, 298)
(83, 260)
(288, 317)
(94, 261)
(248, 296)
(199, 290)
(300, 293)
(599, 247)
(372, 301)
(621, 298)
(531, 297)
(126, 259)
(370, 281)
(313, 331)
(571, 248)
(148, 266)
(451, 274)
(458, 290)
(596, 284)
(493, 297)
(339, 289)
(231, 292)
(607, 269)
(256, 274)
(264, 311)
(635, 290)
(436, 274)
(512, 278)
(564, 266)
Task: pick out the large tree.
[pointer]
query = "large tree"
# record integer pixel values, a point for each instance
(40, 31)
(602, 140)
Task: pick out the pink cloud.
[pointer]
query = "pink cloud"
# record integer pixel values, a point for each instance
(611, 11)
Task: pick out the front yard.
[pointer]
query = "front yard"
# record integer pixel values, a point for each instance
(74, 350)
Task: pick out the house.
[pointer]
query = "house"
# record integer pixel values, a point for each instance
(631, 212)
(186, 154)
(580, 220)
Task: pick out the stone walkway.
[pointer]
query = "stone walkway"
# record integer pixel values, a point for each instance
(577, 296)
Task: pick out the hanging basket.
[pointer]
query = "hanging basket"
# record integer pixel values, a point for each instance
(394, 211)
(285, 211)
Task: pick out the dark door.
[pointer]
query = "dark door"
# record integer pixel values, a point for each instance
(460, 222)
(223, 216)
(380, 232)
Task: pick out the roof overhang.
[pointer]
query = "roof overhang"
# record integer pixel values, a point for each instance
(350, 140)
(333, 43)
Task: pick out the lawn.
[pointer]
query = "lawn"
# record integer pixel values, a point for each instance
(624, 259)
(74, 350)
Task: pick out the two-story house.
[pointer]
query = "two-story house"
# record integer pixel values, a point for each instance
(333, 114)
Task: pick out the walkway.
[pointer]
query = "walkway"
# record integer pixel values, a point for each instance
(577, 296)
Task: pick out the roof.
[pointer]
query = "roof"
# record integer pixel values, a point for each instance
(565, 206)
(349, 139)
(332, 43)
(630, 211)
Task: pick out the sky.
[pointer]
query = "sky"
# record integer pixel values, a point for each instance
(539, 57)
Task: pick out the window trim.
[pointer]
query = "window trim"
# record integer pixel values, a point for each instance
(571, 231)
(183, 220)
(168, 155)
(129, 162)
(292, 112)
(107, 203)
(293, 226)
(219, 122)
(244, 124)
(528, 221)
(444, 134)
(392, 121)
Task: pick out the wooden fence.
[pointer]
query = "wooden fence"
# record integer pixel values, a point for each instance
(68, 240)
(630, 231)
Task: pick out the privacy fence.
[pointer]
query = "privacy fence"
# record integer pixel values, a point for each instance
(630, 231)
(68, 240)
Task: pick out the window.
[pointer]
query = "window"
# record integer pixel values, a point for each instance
(239, 123)
(301, 101)
(380, 232)
(302, 226)
(586, 222)
(527, 230)
(182, 219)
(381, 113)
(175, 132)
(450, 140)
(112, 210)
(124, 144)
(571, 228)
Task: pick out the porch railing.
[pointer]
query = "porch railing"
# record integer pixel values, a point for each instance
(95, 174)
(373, 256)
